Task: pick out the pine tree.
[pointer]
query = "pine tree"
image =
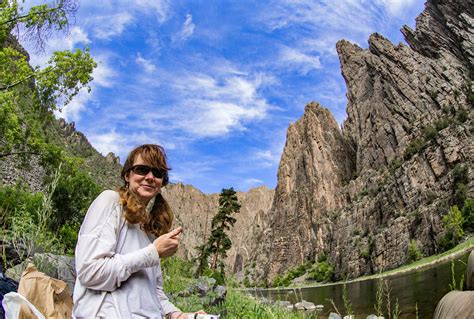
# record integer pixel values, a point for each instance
(219, 242)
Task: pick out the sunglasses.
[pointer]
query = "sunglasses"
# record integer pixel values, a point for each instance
(144, 170)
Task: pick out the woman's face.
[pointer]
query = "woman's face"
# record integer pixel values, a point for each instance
(145, 186)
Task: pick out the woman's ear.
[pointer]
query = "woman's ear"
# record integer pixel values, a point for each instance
(127, 177)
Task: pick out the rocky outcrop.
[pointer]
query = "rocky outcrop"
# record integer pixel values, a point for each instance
(361, 194)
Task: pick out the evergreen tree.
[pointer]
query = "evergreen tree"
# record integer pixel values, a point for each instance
(219, 242)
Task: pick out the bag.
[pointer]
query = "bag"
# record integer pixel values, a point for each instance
(13, 302)
(50, 296)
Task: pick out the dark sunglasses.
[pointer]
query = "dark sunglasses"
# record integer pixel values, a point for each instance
(144, 170)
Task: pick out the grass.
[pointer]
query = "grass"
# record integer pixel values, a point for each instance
(463, 247)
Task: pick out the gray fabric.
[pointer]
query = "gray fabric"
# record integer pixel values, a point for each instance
(456, 305)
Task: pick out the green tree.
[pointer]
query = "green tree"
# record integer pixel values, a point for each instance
(219, 242)
(453, 224)
(414, 252)
(25, 90)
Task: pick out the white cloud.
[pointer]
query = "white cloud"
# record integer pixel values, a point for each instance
(250, 182)
(213, 106)
(160, 8)
(107, 142)
(298, 60)
(396, 7)
(103, 74)
(186, 31)
(105, 27)
(71, 112)
(147, 65)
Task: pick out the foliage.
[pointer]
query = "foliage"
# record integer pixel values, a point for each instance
(468, 214)
(286, 278)
(73, 195)
(442, 123)
(345, 299)
(322, 270)
(460, 174)
(219, 242)
(25, 91)
(28, 224)
(453, 285)
(176, 274)
(217, 275)
(430, 132)
(462, 115)
(453, 224)
(415, 146)
(414, 252)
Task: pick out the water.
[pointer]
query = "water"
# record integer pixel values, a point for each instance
(423, 287)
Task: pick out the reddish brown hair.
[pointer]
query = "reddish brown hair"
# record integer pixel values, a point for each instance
(160, 218)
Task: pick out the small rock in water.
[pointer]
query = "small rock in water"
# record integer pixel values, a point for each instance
(334, 315)
(305, 305)
(374, 317)
(284, 304)
(319, 307)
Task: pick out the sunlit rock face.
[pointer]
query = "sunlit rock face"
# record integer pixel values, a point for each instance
(360, 194)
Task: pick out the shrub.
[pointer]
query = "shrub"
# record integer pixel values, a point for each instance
(460, 174)
(430, 132)
(415, 146)
(468, 214)
(414, 252)
(321, 271)
(453, 224)
(462, 115)
(72, 196)
(442, 123)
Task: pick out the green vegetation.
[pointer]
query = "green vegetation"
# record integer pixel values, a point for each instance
(415, 146)
(460, 174)
(453, 224)
(414, 252)
(219, 242)
(46, 220)
(320, 270)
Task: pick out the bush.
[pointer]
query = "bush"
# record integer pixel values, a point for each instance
(415, 146)
(414, 252)
(430, 132)
(453, 224)
(73, 195)
(468, 214)
(442, 123)
(462, 115)
(16, 198)
(217, 275)
(321, 271)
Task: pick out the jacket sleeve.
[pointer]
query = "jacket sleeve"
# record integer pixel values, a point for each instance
(166, 304)
(98, 266)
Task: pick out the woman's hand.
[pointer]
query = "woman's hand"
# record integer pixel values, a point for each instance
(167, 244)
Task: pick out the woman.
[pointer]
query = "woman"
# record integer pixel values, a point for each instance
(121, 241)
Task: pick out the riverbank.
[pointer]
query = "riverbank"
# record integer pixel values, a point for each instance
(423, 263)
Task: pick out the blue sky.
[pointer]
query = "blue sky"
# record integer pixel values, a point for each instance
(216, 82)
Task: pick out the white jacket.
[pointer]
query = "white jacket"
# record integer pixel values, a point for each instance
(118, 268)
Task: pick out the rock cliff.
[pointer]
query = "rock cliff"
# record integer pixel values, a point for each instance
(360, 194)
(194, 211)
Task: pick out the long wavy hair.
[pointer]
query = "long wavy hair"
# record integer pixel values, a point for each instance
(160, 218)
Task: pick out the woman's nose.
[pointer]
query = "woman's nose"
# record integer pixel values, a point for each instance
(149, 175)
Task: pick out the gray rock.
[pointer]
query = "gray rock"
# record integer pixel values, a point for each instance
(283, 303)
(334, 315)
(55, 266)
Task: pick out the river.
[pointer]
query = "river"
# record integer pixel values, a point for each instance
(422, 288)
